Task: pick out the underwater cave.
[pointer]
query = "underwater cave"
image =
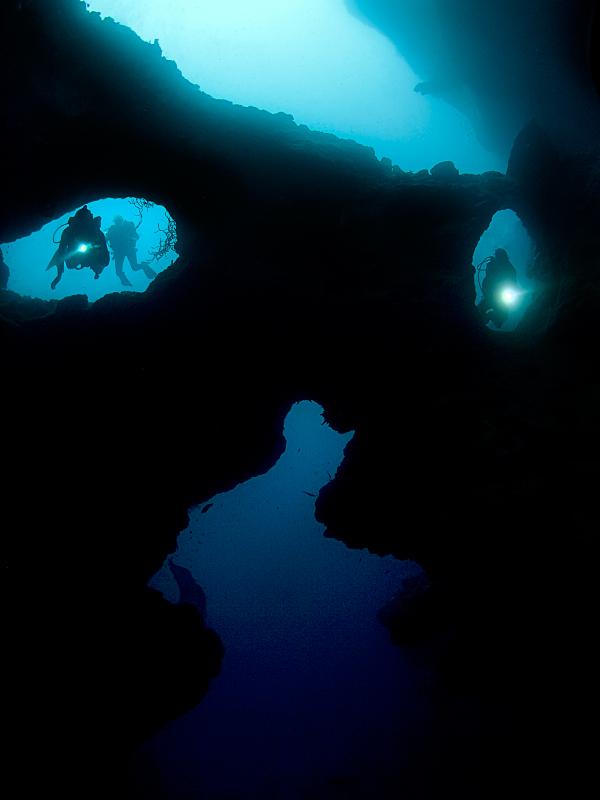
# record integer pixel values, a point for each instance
(216, 587)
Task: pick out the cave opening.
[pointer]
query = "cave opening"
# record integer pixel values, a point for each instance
(316, 61)
(297, 614)
(27, 258)
(506, 232)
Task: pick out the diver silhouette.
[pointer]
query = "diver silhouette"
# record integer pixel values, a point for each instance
(122, 236)
(4, 272)
(499, 287)
(82, 244)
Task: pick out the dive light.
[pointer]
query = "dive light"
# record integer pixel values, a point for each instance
(509, 295)
(83, 247)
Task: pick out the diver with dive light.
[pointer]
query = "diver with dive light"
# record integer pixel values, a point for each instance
(82, 244)
(499, 287)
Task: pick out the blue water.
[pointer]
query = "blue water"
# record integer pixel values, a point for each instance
(314, 60)
(27, 258)
(312, 697)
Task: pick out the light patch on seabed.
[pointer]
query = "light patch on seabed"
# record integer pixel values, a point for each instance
(27, 258)
(313, 60)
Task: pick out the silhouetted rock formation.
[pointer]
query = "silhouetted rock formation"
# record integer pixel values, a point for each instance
(307, 269)
(189, 591)
(502, 63)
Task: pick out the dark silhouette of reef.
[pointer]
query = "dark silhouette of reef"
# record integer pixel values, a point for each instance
(307, 269)
(189, 591)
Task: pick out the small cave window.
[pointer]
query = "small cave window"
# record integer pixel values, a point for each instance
(140, 237)
(506, 297)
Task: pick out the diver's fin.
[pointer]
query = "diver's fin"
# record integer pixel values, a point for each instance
(148, 271)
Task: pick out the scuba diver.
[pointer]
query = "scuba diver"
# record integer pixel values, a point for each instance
(499, 287)
(4, 272)
(122, 236)
(82, 244)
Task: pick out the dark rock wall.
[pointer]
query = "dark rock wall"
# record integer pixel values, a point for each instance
(307, 269)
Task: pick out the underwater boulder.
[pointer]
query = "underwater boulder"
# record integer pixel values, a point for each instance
(445, 170)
